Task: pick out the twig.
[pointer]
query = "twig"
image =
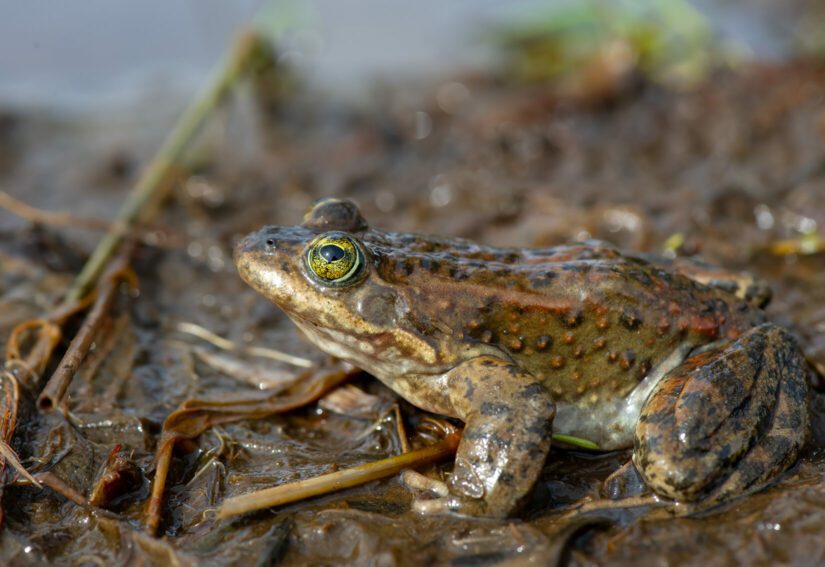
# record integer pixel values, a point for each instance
(163, 457)
(59, 485)
(403, 440)
(154, 184)
(196, 416)
(242, 371)
(38, 216)
(11, 458)
(68, 220)
(150, 190)
(57, 385)
(48, 335)
(347, 478)
(226, 344)
(9, 407)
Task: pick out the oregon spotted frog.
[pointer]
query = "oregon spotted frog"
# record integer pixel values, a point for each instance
(670, 358)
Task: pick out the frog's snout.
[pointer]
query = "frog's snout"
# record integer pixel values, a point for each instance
(250, 251)
(264, 241)
(246, 245)
(266, 258)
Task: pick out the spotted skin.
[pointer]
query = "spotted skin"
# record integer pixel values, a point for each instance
(522, 343)
(725, 421)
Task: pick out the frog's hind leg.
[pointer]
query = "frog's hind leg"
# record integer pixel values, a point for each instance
(725, 421)
(741, 284)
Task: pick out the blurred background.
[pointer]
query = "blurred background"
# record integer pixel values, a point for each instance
(99, 52)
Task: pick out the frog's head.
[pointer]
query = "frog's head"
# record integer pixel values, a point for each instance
(318, 272)
(329, 274)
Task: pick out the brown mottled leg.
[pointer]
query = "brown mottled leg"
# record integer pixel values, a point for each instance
(726, 421)
(508, 416)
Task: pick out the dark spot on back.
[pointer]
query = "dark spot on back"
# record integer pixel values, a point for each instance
(630, 318)
(573, 318)
(640, 276)
(716, 305)
(404, 267)
(577, 267)
(427, 263)
(541, 280)
(458, 275)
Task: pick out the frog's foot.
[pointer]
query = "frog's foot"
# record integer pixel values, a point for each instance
(443, 503)
(726, 421)
(450, 505)
(508, 416)
(463, 495)
(422, 483)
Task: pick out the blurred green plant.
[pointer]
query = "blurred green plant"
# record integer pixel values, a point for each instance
(668, 41)
(275, 19)
(807, 38)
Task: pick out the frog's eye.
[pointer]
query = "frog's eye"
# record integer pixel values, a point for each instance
(335, 260)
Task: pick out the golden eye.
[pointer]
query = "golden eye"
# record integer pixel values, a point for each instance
(335, 259)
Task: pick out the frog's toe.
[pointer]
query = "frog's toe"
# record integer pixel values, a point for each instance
(422, 483)
(440, 501)
(726, 421)
(450, 504)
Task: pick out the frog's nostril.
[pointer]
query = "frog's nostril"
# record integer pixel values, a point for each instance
(270, 242)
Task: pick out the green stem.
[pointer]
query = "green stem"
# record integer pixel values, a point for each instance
(153, 184)
(575, 441)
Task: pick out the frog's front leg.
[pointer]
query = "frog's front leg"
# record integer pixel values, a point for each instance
(726, 421)
(508, 417)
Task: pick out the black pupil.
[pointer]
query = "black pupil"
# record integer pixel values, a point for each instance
(331, 252)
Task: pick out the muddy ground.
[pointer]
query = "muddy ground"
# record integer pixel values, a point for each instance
(725, 170)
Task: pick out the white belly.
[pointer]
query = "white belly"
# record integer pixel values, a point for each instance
(610, 424)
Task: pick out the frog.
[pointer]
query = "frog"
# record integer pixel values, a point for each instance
(672, 359)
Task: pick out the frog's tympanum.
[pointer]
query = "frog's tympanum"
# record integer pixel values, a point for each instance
(671, 358)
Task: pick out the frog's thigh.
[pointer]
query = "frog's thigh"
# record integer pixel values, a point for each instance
(508, 417)
(743, 285)
(725, 421)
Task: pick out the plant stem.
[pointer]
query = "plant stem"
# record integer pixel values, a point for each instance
(154, 183)
(339, 480)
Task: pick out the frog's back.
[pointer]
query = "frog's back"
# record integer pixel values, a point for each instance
(586, 319)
